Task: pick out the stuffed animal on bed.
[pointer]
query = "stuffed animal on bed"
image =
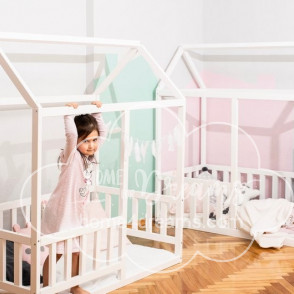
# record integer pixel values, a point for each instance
(244, 194)
(26, 250)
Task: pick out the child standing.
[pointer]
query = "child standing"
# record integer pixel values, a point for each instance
(64, 210)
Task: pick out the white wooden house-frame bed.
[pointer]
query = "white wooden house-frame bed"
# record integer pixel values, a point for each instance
(272, 184)
(115, 260)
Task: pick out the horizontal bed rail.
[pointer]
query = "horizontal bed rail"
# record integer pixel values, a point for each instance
(15, 237)
(17, 211)
(261, 183)
(112, 107)
(273, 184)
(87, 229)
(256, 94)
(11, 288)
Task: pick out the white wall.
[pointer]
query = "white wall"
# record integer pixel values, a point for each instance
(269, 123)
(56, 70)
(47, 71)
(160, 25)
(251, 21)
(248, 21)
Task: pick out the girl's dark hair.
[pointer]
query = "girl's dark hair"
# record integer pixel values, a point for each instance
(86, 124)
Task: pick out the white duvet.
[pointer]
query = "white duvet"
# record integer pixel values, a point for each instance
(262, 219)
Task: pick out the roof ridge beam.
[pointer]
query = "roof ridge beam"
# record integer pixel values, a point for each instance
(66, 40)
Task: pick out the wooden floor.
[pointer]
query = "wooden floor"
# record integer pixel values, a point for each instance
(256, 271)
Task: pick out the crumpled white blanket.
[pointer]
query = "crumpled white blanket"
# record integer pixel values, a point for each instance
(262, 219)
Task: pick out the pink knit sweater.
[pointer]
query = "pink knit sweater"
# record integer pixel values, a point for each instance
(64, 209)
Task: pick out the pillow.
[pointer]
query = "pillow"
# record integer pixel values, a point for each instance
(26, 250)
(245, 193)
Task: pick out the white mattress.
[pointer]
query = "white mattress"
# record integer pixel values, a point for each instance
(140, 259)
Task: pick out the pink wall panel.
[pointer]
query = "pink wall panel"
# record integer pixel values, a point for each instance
(266, 136)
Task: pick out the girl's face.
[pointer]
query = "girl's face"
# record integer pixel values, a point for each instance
(89, 145)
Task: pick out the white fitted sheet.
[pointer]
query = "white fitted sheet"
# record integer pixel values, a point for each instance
(139, 260)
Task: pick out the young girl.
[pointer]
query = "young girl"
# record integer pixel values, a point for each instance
(64, 210)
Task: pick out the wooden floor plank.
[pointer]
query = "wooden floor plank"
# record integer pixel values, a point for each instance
(258, 271)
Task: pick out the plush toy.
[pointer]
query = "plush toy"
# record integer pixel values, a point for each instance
(26, 250)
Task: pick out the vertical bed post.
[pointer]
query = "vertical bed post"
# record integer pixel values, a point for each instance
(158, 134)
(180, 181)
(234, 158)
(203, 110)
(157, 154)
(234, 139)
(3, 257)
(203, 132)
(124, 166)
(36, 164)
(90, 72)
(160, 74)
(36, 199)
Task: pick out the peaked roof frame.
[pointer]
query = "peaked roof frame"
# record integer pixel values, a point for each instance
(135, 48)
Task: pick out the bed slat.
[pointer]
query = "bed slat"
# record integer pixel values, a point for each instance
(82, 257)
(1, 219)
(97, 250)
(135, 213)
(288, 189)
(17, 264)
(121, 250)
(275, 187)
(262, 186)
(163, 218)
(52, 264)
(109, 254)
(3, 258)
(68, 259)
(148, 218)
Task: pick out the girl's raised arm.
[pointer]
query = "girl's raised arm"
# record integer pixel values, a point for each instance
(71, 136)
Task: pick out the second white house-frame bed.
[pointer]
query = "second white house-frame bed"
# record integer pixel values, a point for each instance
(223, 181)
